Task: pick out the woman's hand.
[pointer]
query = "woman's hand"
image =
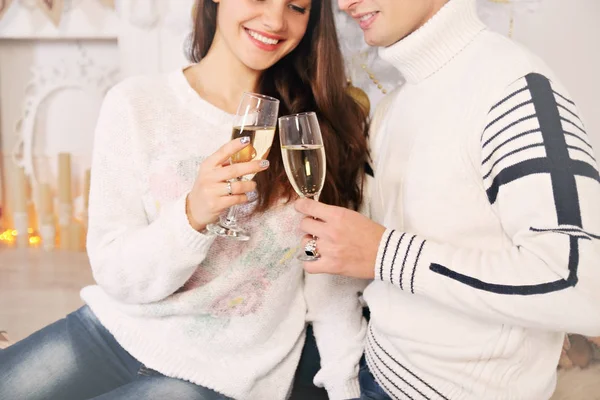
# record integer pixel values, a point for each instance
(210, 195)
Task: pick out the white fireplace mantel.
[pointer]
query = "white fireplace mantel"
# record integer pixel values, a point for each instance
(82, 19)
(53, 79)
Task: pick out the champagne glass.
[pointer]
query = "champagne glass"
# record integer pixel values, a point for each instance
(256, 118)
(304, 161)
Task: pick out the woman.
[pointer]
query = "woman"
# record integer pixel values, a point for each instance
(177, 313)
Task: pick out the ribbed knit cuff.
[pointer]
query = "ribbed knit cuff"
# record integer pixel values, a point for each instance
(398, 259)
(345, 391)
(179, 224)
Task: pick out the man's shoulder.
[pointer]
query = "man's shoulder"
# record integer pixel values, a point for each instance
(382, 110)
(504, 60)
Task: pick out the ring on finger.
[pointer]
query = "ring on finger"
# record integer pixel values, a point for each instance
(229, 189)
(310, 249)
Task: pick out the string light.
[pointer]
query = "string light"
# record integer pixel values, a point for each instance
(511, 26)
(374, 79)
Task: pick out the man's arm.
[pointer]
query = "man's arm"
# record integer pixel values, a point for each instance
(542, 181)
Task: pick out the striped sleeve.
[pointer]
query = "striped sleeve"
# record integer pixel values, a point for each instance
(541, 178)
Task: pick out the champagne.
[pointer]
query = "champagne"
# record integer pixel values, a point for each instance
(261, 140)
(305, 166)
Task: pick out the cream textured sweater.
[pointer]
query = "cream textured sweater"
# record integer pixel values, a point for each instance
(487, 183)
(226, 315)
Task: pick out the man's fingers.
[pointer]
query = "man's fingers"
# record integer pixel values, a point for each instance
(316, 267)
(321, 266)
(314, 227)
(318, 210)
(305, 240)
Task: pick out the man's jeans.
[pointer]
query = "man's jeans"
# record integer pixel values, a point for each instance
(76, 358)
(369, 388)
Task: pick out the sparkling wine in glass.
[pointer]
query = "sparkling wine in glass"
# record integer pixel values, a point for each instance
(256, 118)
(304, 161)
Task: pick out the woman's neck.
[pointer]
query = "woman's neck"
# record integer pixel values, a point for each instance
(221, 78)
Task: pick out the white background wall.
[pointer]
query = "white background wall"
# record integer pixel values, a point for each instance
(148, 36)
(566, 34)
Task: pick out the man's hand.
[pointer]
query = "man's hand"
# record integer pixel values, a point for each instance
(347, 241)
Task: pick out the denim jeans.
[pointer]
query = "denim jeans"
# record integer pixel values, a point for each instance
(76, 358)
(369, 388)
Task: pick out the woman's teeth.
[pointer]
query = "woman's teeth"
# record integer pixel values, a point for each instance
(262, 38)
(367, 16)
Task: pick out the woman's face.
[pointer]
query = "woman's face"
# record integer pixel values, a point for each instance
(261, 32)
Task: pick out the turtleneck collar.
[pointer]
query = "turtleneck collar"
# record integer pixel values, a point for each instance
(429, 48)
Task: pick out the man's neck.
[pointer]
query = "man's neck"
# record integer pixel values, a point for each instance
(436, 6)
(444, 35)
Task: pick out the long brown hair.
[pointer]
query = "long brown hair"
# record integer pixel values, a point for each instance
(310, 78)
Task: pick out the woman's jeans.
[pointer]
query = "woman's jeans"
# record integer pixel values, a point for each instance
(76, 358)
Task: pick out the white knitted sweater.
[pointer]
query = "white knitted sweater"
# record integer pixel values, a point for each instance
(488, 185)
(226, 315)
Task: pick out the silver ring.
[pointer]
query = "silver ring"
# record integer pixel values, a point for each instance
(311, 248)
(229, 190)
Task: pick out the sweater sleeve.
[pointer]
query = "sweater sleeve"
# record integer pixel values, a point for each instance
(132, 259)
(335, 311)
(542, 181)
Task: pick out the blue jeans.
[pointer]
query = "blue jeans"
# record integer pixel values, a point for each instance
(76, 358)
(369, 388)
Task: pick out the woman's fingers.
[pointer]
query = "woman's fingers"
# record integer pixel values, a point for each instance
(226, 151)
(238, 187)
(238, 170)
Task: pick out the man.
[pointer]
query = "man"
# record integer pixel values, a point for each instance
(484, 241)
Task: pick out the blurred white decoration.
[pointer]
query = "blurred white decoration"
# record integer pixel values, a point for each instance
(4, 4)
(501, 15)
(143, 13)
(70, 5)
(53, 9)
(45, 19)
(67, 6)
(108, 3)
(489, 8)
(46, 80)
(178, 20)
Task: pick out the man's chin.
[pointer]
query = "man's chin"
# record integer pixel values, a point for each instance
(372, 40)
(375, 40)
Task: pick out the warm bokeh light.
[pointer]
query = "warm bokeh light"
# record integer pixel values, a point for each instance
(9, 237)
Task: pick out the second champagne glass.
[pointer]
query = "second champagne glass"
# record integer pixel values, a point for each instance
(304, 161)
(256, 118)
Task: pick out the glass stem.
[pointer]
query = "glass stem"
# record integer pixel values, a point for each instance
(230, 220)
(315, 198)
